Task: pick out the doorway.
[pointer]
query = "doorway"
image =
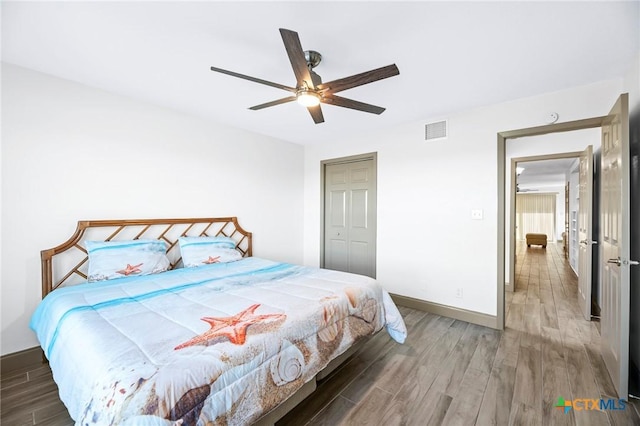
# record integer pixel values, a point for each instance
(534, 175)
(589, 123)
(614, 251)
(349, 217)
(554, 196)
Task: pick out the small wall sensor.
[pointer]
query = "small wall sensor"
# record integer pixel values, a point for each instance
(552, 118)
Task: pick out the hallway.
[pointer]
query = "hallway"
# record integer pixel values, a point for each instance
(559, 350)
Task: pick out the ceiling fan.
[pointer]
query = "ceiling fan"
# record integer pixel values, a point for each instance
(309, 90)
(518, 189)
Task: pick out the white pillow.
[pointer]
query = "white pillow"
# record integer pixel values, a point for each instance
(199, 251)
(116, 259)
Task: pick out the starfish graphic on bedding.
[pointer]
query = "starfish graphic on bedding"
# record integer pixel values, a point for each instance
(211, 260)
(233, 328)
(130, 269)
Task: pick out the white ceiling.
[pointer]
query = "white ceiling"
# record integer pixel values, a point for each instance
(545, 173)
(452, 56)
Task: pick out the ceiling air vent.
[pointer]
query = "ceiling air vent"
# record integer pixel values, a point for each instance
(436, 130)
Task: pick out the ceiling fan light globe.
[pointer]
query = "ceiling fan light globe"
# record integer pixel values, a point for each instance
(308, 99)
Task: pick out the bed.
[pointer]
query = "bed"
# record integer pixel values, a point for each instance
(224, 342)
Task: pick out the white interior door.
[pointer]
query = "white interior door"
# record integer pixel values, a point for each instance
(350, 217)
(585, 191)
(614, 250)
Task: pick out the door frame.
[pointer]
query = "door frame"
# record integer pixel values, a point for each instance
(342, 160)
(512, 206)
(587, 123)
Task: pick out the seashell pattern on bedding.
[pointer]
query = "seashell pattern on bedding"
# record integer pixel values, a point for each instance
(288, 365)
(217, 344)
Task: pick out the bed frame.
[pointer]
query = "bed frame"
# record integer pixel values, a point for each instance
(71, 268)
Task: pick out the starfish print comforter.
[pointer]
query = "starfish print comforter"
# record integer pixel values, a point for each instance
(217, 344)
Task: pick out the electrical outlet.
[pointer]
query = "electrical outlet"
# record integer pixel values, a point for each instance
(476, 214)
(459, 293)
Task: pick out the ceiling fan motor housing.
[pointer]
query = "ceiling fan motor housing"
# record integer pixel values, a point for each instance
(312, 57)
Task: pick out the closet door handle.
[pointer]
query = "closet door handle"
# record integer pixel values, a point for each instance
(616, 261)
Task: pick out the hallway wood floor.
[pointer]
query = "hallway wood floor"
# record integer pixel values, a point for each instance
(449, 372)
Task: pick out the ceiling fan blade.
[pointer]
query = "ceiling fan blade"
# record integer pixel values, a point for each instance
(273, 103)
(254, 79)
(359, 79)
(296, 56)
(350, 103)
(316, 114)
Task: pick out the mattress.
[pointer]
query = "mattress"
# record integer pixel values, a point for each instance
(217, 344)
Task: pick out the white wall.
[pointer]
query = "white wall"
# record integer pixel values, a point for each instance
(427, 243)
(70, 152)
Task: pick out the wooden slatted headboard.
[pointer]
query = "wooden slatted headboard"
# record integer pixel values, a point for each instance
(67, 263)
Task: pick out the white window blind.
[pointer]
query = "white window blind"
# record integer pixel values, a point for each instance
(536, 213)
